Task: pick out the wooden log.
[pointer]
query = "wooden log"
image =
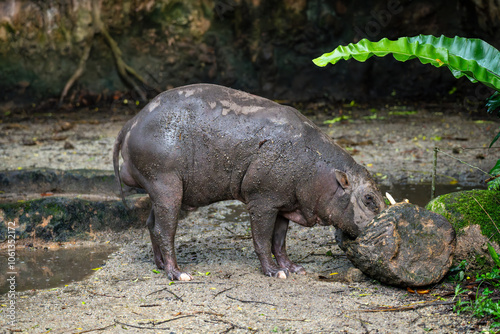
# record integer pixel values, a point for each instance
(405, 245)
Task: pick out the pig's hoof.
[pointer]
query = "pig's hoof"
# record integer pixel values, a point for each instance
(281, 274)
(185, 277)
(179, 276)
(278, 273)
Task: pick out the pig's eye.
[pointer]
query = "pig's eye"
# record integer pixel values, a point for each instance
(371, 203)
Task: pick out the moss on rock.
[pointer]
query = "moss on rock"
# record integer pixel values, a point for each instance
(475, 216)
(473, 207)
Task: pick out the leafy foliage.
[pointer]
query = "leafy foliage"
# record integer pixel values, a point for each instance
(494, 255)
(470, 57)
(493, 103)
(484, 301)
(494, 183)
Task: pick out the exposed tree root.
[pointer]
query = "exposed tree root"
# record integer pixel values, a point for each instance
(122, 67)
(126, 72)
(79, 71)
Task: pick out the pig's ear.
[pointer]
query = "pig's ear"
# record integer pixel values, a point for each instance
(342, 179)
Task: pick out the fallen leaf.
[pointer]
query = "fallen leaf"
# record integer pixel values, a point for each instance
(423, 291)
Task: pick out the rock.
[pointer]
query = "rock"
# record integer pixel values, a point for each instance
(473, 207)
(68, 146)
(59, 218)
(475, 216)
(41, 180)
(63, 126)
(472, 247)
(354, 275)
(405, 245)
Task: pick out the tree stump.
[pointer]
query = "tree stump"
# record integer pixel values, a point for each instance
(405, 245)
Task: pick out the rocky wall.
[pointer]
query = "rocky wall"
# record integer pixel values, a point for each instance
(265, 47)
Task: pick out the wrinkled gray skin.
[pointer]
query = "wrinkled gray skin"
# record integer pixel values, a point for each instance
(199, 144)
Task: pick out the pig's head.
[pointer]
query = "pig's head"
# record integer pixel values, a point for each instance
(348, 200)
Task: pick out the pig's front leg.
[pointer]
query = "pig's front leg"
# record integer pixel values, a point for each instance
(262, 220)
(279, 246)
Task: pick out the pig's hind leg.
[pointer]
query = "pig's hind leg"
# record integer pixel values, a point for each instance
(279, 246)
(166, 197)
(160, 264)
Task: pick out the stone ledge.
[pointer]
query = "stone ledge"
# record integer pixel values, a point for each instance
(61, 218)
(43, 180)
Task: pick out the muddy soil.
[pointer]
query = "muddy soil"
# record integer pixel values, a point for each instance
(228, 293)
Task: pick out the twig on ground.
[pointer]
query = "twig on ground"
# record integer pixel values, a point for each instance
(229, 329)
(209, 313)
(233, 233)
(408, 307)
(284, 319)
(166, 289)
(225, 290)
(339, 291)
(94, 329)
(168, 320)
(305, 257)
(249, 301)
(141, 327)
(104, 295)
(233, 326)
(362, 323)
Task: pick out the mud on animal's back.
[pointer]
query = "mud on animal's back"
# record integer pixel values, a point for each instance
(219, 115)
(211, 134)
(214, 119)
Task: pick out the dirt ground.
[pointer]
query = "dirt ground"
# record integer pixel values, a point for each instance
(229, 294)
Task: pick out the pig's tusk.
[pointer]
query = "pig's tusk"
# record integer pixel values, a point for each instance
(390, 198)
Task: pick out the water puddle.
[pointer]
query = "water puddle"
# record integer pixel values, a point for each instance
(44, 269)
(420, 194)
